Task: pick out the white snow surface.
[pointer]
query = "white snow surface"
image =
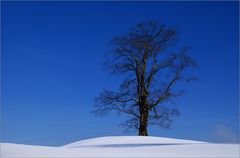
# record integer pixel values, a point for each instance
(125, 146)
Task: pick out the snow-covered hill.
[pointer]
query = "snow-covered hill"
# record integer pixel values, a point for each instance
(125, 146)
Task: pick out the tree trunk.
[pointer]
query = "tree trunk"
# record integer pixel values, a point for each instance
(143, 124)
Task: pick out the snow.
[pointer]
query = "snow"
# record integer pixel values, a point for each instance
(124, 146)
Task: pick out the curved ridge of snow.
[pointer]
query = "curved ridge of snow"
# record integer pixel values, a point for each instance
(129, 140)
(124, 146)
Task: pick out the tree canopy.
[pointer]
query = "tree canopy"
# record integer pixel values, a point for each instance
(145, 55)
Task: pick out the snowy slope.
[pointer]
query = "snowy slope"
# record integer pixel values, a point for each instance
(125, 146)
(129, 141)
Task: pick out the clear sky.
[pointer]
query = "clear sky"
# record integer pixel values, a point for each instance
(51, 60)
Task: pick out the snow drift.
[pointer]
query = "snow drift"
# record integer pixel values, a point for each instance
(125, 146)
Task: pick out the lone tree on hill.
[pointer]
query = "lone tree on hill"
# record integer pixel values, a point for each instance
(146, 57)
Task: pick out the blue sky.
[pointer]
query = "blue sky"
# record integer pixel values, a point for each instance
(51, 60)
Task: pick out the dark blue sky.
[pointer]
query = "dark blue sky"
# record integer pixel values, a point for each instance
(52, 54)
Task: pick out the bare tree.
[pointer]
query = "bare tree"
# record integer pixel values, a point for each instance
(144, 55)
